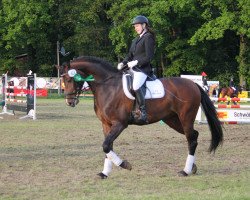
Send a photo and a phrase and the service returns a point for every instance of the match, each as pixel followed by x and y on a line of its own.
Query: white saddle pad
pixel 154 89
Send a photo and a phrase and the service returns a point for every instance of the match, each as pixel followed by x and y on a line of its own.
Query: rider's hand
pixel 132 63
pixel 120 66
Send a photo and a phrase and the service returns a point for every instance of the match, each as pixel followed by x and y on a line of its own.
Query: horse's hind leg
pixel 192 136
pixel 190 166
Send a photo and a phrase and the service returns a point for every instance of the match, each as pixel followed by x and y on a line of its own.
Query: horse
pixel 228 91
pixel 177 108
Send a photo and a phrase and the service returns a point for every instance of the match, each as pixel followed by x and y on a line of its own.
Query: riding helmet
pixel 140 19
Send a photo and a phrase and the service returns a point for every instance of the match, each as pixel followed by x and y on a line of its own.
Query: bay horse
pixel 229 92
pixel 178 108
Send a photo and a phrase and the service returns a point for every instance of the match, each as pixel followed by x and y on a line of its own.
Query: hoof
pixel 101 176
pixel 126 165
pixel 182 173
pixel 194 169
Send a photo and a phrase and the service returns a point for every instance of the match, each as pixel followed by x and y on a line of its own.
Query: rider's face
pixel 138 28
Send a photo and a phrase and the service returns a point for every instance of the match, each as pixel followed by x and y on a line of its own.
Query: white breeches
pixel 139 79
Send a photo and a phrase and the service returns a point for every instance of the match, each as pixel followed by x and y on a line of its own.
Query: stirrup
pixel 143 116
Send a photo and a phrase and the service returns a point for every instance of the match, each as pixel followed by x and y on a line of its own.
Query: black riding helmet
pixel 140 19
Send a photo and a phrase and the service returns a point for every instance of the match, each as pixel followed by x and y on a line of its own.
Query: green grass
pixel 58 156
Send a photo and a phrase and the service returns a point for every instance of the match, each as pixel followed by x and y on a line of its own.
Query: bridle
pixel 79 86
pixel 76 92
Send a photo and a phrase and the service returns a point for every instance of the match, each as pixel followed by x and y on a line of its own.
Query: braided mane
pixel 102 62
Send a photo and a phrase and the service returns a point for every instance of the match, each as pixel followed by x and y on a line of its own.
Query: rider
pixel 138 59
pixel 231 84
pixel 204 81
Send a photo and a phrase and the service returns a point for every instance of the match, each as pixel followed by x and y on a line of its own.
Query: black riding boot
pixel 141 102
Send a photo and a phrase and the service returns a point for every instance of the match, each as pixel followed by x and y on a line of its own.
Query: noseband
pixel 76 92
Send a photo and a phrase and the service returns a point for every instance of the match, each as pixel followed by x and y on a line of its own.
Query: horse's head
pixel 72 89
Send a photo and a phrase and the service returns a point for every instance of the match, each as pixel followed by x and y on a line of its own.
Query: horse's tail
pixel 213 121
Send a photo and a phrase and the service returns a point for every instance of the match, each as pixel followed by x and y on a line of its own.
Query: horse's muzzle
pixel 72 101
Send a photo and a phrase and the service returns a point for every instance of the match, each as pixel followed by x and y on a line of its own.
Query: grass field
pixel 58 156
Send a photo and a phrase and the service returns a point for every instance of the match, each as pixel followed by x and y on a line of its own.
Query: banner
pixel 196 78
pixel 39 92
pixel 43 84
pixel 234 115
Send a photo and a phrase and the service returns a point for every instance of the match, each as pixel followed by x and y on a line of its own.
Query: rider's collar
pixel 143 32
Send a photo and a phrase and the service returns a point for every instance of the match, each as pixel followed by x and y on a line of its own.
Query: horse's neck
pixel 99 73
pixel 105 83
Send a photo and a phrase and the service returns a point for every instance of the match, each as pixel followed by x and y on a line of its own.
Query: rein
pixel 78 79
pixel 105 80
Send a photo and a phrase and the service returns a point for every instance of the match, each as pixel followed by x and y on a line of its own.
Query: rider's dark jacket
pixel 231 83
pixel 142 49
pixel 204 80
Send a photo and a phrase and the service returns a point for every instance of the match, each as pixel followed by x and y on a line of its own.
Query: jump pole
pixel 31 98
pixel 231 106
pixel 5 99
pixel 30 101
pixel 229 99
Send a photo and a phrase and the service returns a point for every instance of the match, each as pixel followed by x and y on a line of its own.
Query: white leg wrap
pixel 107 168
pixel 189 164
pixel 115 158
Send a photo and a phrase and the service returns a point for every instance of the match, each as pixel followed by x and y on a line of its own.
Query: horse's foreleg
pixel 111 156
pixel 190 166
pixel 107 168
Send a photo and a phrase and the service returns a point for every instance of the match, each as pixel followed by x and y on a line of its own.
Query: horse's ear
pixel 62 68
pixel 65 66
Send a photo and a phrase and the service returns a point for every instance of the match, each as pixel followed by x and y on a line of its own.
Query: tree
pixel 34 27
pixel 191 36
pixel 92 29
pixel 173 22
pixel 221 17
pixel 25 26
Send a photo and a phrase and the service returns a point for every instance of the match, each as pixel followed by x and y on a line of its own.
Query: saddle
pixel 153 87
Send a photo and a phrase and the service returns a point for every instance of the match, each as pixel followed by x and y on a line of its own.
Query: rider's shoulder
pixel 148 34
